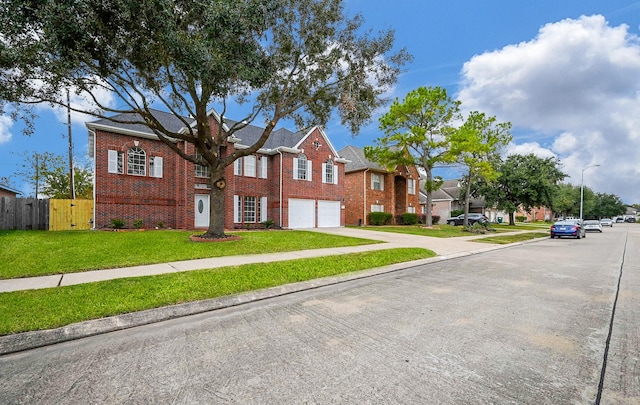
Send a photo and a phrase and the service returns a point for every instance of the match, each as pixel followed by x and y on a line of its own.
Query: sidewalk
pixel 444 247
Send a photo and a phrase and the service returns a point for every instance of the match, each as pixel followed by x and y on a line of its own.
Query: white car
pixel 592 226
pixel 606 222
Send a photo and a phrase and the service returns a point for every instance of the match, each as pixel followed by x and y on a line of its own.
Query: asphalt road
pixel 532 324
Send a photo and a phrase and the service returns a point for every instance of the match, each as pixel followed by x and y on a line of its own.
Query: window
pixel 116 162
pixel 155 166
pixel 136 161
pixel 329 172
pixel 300 167
pixel 250 166
pixel 411 210
pixel 411 185
pixel 249 209
pixel 263 167
pixel 377 208
pixel 237 167
pixel 376 182
pixel 202 170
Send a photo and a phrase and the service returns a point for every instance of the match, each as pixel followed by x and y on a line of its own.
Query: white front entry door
pixel 201 211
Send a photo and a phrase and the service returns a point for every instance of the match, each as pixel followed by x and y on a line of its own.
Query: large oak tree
pixel 291 59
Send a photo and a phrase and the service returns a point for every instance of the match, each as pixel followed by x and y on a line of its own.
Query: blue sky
pixel 566 74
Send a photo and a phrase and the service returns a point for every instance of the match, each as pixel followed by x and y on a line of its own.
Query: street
pixel 529 324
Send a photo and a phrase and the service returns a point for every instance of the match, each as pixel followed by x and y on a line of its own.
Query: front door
pixel 201 211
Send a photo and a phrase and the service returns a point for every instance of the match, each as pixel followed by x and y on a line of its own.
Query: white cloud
pixel 577 81
pixel 5 126
pixel 529 148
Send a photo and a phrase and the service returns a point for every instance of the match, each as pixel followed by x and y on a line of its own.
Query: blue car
pixel 569 227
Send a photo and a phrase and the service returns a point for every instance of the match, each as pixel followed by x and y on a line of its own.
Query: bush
pixel 520 218
pixel 455 213
pixel 138 223
pixel 268 223
pixel 435 219
pixel 117 223
pixel 380 218
pixel 409 218
pixel 478 228
pixel 422 219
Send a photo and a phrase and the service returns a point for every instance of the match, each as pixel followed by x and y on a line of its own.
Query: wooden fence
pixel 54 215
pixel 24 213
pixel 67 215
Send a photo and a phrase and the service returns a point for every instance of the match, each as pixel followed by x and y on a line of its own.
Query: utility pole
pixel 72 191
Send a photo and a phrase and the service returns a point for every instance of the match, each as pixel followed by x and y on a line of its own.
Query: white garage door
pixel 302 213
pixel 328 214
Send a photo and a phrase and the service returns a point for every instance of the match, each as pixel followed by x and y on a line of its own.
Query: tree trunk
pixel 428 187
pixel 216 209
pixel 512 219
pixel 467 197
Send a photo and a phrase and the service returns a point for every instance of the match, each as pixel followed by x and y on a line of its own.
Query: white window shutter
pixel 263 167
pixel 263 209
pixel 324 172
pixel 113 161
pixel 157 167
pixel 335 174
pixel 236 211
pixel 309 171
pixel 295 168
pixel 381 182
pixel 237 167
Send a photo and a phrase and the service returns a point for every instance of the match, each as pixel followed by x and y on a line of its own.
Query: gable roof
pixel 357 160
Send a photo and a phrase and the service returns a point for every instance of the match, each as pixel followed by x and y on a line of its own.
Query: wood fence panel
pixel 67 215
pixel 23 213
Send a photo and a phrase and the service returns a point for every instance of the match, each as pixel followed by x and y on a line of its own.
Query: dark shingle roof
pixel 132 122
pixel 357 160
pixel 280 137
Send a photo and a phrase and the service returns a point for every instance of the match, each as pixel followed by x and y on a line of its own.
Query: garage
pixel 302 213
pixel 328 214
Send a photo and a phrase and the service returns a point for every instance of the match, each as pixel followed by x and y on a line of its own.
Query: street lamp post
pixel 582 188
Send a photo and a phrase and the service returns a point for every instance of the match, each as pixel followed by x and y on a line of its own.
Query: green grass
pixel 38 253
pixel 55 307
pixel 506 239
pixel 522 226
pixel 438 231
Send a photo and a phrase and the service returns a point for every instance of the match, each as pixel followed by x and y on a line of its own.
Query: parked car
pixel 570 227
pixel 606 222
pixel 630 219
pixel 592 225
pixel 472 218
pixel 619 220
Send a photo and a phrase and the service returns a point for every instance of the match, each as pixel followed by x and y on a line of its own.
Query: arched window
pixel 136 161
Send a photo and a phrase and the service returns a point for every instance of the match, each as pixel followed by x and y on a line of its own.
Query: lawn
pixel 37 253
pixel 438 231
pixel 55 307
pixel 506 239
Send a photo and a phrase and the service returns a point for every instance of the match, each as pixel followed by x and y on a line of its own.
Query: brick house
pixel 294 180
pixel 370 187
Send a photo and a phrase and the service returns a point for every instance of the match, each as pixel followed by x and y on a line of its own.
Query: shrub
pixel 380 218
pixel 409 218
pixel 422 219
pixel 268 223
pixel 138 223
pixel 455 213
pixel 117 223
pixel 160 224
pixel 521 218
pixel 435 219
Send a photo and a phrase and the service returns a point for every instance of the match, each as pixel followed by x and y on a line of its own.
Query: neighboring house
pixel 294 180
pixel 536 214
pixel 370 187
pixel 6 191
pixel 448 198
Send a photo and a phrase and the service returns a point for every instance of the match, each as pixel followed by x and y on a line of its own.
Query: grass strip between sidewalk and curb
pixel 40 253
pixel 49 308
pixel 506 239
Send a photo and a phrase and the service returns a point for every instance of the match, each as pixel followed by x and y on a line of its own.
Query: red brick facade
pixel 170 200
pixel 395 198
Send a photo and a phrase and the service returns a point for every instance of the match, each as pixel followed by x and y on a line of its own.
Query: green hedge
pixel 380 218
